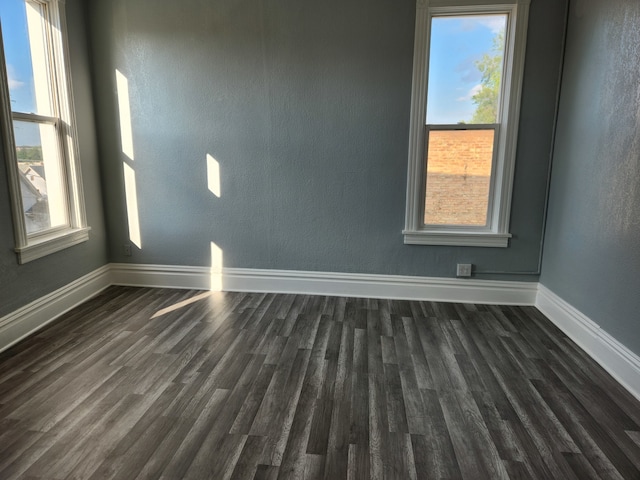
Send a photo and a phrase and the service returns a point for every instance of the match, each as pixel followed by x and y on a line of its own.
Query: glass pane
pixel 458 177
pixel 465 68
pixel 41 176
pixel 27 63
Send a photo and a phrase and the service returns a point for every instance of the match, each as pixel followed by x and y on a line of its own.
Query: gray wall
pixel 592 242
pixel 21 284
pixel 305 105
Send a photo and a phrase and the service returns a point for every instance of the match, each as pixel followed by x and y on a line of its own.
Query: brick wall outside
pixel 458 174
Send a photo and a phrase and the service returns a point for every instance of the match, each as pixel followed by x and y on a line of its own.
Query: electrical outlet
pixel 126 249
pixel 464 269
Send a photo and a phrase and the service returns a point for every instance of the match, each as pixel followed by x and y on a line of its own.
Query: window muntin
pixel 39 131
pixel 436 111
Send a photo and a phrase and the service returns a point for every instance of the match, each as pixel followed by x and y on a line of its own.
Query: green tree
pixel 490 66
pixel 29 154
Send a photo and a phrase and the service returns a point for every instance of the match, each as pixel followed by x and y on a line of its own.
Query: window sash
pixel 462 11
pixel 33 118
pixel 61 166
pixel 490 201
pixel 40 32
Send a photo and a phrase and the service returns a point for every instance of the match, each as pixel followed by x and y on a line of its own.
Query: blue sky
pixel 19 70
pixel 456 44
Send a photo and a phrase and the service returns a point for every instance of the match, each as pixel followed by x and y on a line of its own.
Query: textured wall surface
pixel 305 107
pixel 21 284
pixel 592 243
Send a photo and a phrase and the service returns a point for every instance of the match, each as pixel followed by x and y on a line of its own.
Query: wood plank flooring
pixel 170 384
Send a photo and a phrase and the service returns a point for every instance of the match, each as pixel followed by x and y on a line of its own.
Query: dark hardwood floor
pixel 168 384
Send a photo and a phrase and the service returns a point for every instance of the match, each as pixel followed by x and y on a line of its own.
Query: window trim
pixel 497 233
pixel 29 247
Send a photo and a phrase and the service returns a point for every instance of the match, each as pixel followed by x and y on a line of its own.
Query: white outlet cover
pixel 464 270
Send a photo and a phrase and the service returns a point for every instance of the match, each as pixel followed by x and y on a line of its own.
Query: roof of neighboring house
pixel 33 180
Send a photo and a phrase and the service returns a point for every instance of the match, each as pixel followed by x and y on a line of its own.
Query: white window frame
pixel 36 245
pixel 496 232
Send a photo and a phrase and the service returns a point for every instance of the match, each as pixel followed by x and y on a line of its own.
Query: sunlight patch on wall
pixel 126 132
pixel 131 194
pixel 213 175
pixel 216 268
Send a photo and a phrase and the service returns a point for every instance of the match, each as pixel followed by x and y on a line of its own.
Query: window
pixel 39 131
pixel 467 80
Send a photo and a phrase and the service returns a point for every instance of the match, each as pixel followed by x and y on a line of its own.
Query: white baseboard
pixel 32 317
pixel 380 286
pixel 161 276
pixel 325 283
pixel 621 363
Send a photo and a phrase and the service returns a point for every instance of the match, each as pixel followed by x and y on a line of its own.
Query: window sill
pixel 48 244
pixel 459 239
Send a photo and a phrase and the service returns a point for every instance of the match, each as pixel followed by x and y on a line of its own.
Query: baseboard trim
pixel 25 321
pixel 327 283
pixel 380 286
pixel 620 362
pixel 161 276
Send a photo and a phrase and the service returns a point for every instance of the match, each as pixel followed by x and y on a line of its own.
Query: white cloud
pixel 495 23
pixel 476 89
pixel 13 81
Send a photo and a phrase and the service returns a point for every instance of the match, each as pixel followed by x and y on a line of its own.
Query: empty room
pixel 252 239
